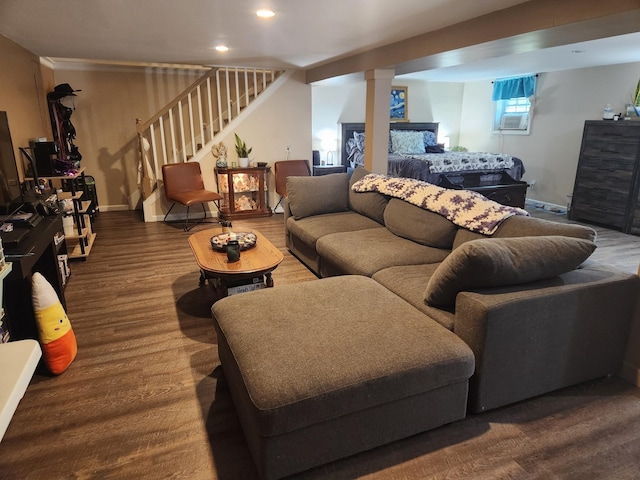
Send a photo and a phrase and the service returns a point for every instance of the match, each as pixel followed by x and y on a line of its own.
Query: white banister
pixel 175 141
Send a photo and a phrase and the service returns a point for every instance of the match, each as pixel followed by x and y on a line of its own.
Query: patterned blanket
pixel 465 161
pixel 464 208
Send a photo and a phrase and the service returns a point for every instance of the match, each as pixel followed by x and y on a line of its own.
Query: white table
pixel 18 361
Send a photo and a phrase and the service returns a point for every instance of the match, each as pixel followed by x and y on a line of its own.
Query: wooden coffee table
pixel 252 271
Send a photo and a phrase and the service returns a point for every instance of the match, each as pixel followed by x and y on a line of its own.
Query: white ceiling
pixel 302 34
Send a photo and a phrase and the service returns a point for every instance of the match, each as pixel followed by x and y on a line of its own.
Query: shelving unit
pixel 244 192
pixel 80 242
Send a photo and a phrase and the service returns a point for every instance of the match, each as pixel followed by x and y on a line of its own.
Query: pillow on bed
pixel 498 262
pixel 407 142
pixel 430 139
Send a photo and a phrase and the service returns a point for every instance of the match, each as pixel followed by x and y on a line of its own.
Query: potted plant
pixel 243 152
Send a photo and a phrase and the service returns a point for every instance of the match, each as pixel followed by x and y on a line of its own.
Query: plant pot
pixel 243 162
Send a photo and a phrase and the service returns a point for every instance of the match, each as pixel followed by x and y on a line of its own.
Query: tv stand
pixel 37 252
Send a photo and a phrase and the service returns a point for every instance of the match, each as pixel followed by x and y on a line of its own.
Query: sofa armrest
pixel 535 338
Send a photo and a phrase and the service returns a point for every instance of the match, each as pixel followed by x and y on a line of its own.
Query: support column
pixel 376 141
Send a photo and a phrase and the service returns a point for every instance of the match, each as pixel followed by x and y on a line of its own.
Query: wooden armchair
pixel 289 168
pixel 183 184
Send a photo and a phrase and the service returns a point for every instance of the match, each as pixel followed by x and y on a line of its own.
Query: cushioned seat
pixel 364 252
pixel 410 282
pixel 183 184
pixel 317 372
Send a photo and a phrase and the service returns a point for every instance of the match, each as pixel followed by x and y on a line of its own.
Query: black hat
pixel 62 90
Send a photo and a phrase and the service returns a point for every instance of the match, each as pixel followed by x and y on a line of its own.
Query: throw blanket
pixel 464 208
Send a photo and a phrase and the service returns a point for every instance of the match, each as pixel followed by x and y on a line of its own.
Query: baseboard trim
pixel 114 208
pixel 630 373
pixel 546 206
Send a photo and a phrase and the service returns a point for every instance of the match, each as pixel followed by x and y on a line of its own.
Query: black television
pixel 10 188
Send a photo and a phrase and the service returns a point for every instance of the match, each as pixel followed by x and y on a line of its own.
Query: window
pixel 512 115
pixel 512 104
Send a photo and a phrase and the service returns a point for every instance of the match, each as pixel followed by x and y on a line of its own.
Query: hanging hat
pixel 62 90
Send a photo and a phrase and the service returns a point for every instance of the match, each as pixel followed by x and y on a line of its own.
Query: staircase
pixel 187 127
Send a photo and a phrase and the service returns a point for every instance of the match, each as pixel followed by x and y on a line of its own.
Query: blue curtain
pixel 514 88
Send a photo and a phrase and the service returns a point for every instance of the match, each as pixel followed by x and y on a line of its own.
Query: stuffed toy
pixel 58 341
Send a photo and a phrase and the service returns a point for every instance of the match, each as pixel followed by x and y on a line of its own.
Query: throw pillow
pixel 59 347
pixel 407 142
pixel 310 196
pixel 497 262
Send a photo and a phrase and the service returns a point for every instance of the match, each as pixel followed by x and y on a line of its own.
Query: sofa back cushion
pixel 521 226
pixel 422 226
pixel 310 196
pixel 497 262
pixel 369 204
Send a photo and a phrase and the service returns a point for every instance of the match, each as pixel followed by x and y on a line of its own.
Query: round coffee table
pixel 251 272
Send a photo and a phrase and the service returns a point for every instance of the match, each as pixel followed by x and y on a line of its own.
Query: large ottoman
pixel 324 369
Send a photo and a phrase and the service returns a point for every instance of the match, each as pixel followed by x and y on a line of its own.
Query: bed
pixel 414 153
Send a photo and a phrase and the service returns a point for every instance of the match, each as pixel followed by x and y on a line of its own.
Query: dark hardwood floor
pixel 146 398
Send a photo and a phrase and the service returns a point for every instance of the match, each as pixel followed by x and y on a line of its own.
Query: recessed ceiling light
pixel 222 48
pixel 264 13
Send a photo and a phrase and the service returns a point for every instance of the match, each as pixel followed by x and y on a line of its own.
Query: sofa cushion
pixel 520 226
pixel 420 225
pixel 504 261
pixel 371 204
pixel 317 195
pixel 407 281
pixel 310 229
pixel 364 252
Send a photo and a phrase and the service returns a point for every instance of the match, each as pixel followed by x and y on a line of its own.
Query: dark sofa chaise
pixel 519 313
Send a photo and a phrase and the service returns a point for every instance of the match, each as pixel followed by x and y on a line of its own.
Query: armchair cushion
pixel 317 195
pixel 498 262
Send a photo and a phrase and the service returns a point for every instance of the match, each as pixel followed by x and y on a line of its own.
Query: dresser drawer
pixel 612 132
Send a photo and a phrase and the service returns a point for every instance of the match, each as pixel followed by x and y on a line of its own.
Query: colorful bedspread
pixel 464 208
pixel 465 161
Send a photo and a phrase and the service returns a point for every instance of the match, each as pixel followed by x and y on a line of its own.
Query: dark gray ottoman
pixel 324 369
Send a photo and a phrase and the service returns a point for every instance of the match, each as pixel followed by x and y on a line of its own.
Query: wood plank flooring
pixel 146 398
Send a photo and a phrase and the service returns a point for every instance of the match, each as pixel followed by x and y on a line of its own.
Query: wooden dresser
pixel 608 177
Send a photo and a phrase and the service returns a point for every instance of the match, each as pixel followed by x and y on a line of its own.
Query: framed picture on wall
pixel 398 112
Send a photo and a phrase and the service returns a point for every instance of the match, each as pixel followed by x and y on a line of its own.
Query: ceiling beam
pixel 522 28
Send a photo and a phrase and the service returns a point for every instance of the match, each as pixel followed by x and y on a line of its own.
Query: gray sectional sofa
pixel 420 322
pixel 531 329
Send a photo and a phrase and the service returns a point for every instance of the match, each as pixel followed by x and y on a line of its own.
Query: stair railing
pixel 191 121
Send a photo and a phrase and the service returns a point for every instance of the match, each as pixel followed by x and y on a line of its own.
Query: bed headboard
pixel 349 128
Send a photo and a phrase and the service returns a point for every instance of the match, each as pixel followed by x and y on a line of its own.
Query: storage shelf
pixel 75 251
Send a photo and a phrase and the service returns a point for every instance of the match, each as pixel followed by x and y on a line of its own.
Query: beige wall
pixel 22 94
pixel 111 100
pixel 464 111
pixel 428 102
pixel 564 100
pixel 105 121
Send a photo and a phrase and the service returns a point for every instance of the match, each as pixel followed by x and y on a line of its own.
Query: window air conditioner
pixel 517 121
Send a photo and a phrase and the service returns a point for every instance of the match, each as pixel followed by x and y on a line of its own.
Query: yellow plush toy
pixel 58 341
